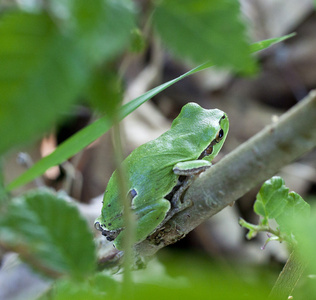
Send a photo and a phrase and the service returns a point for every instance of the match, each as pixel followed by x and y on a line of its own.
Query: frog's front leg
pixel 192 167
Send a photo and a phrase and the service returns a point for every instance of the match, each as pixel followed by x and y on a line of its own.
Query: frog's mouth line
pixel 209 149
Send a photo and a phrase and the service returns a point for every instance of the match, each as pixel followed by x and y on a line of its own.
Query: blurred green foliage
pixel 55 52
pixel 182 276
pixel 47 58
pixel 205 30
pixel 48 230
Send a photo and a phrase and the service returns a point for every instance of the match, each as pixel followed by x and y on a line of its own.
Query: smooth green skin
pixel 151 170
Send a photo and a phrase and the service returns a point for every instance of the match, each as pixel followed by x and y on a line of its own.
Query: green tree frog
pixel 154 169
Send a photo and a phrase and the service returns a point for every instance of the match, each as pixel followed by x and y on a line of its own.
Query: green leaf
pixel 40 76
pixel 44 67
pixel 92 132
pixel 295 207
pixel 271 198
pixel 275 202
pixel 269 42
pixel 95 289
pixel 304 231
pixel 49 234
pixel 105 92
pixel 205 30
pixel 101 29
pixel 115 32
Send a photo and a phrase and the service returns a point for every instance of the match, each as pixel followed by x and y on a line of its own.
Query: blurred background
pixel 287 72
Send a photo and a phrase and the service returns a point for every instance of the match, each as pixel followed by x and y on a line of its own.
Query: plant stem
pixel 288 278
pixel 3 193
pixel 128 217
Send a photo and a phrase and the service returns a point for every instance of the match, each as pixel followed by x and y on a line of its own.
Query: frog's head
pixel 207 128
pixel 217 143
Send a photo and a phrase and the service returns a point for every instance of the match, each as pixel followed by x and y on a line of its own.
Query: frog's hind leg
pixel 150 217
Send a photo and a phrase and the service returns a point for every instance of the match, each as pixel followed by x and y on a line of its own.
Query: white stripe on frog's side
pixel 192 171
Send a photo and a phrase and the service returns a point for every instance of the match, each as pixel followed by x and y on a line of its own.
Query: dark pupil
pixel 220 134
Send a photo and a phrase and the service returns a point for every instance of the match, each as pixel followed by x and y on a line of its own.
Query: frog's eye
pixel 219 136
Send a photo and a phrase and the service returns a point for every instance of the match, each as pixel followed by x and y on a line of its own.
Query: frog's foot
pixel 176 204
pixel 189 169
pixel 109 234
pixel 177 209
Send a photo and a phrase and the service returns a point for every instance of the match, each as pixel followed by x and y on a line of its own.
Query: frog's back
pixel 150 166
